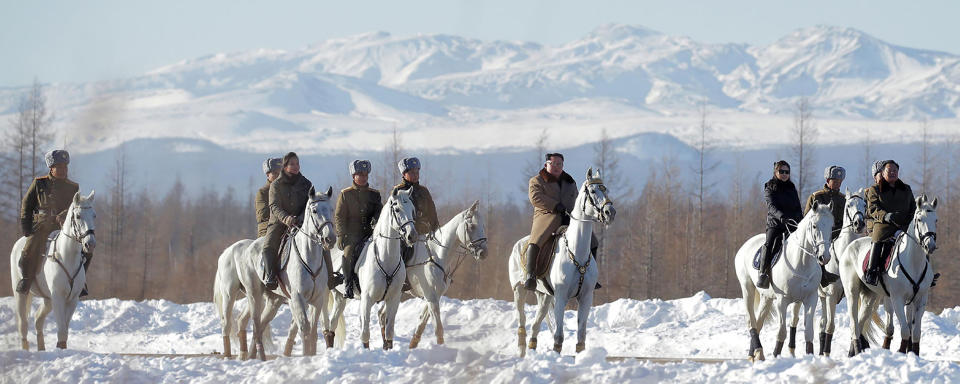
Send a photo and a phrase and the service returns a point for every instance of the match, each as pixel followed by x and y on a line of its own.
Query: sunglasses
pixel 784 171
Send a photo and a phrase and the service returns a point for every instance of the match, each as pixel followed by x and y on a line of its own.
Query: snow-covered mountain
pixel 447 92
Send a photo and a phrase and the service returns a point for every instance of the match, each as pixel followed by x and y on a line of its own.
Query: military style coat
pixel 828 196
pixel 47 199
pixel 425 219
pixel 288 197
pixel 358 207
pixel 545 192
pixel 261 203
pixel 884 198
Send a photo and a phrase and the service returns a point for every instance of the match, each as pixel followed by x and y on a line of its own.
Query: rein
pixel 71 278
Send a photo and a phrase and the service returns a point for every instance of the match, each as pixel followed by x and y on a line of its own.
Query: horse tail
pixel 875 329
pixel 551 319
pixel 766 310
pixel 340 332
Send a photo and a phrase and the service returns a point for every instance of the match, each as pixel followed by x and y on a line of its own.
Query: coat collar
pixel 564 177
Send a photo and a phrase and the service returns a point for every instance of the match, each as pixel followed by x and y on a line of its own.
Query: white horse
pixel 854 210
pixel 302 277
pixel 905 288
pixel 794 278
pixel 573 273
pixel 380 268
pixel 431 270
pixel 61 278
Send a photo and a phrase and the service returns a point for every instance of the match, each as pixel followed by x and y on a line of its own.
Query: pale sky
pixel 78 41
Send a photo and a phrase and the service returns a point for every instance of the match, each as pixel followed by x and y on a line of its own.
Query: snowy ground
pixel 481 347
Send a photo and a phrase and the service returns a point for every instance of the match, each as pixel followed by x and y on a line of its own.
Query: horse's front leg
pixel 906 332
pixel 23 308
pixel 828 321
pixel 583 313
pixel 781 304
pixel 543 305
pixel 434 304
pixel 418 333
pixel 242 321
pixel 809 309
pixel 560 302
pixel 366 305
pixel 60 314
pixel 792 344
pixel 916 321
pixel 39 319
pixel 256 311
pixel 390 314
pixel 853 307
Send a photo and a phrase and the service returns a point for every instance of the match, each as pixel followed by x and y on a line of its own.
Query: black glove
pixel 559 208
pixel 889 217
pixel 27 227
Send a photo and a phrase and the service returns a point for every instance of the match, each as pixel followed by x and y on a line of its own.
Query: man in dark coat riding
pixel 891 204
pixel 42 211
pixel 288 199
pixel 358 208
pixel 783 214
pixel 271 167
pixel 552 193
pixel 830 194
pixel 425 218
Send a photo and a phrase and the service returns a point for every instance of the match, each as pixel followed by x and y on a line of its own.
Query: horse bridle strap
pixel 582 269
pixel 387 276
pixel 77 236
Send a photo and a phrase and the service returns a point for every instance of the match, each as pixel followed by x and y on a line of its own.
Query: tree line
pixel 672 238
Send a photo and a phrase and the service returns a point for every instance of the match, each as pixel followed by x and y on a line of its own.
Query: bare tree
pixel 536 162
pixel 804 135
pixel 867 161
pixel 705 165
pixel 392 153
pixel 30 133
pixel 926 178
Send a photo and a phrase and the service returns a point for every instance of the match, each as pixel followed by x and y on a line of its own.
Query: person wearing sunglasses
pixel 783 213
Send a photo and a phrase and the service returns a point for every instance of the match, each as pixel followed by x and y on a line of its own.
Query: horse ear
pixel 934 204
pixel 329 192
pixel 597 174
pixel 90 196
pixel 475 206
pixel 921 199
pixel 76 197
pixel 590 173
pixel 312 192
pixel 816 204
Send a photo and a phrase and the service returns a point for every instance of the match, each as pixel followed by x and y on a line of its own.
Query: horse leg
pixel 298 309
pixel 23 307
pixel 382 320
pixel 60 314
pixel 792 342
pixel 542 308
pixel 782 305
pixel 905 330
pixel 418 333
pixel 749 294
pixel 242 322
pixel 829 320
pixel 519 297
pixel 560 303
pixel 391 307
pixel 809 309
pixel 365 305
pixel 583 312
pixel 915 323
pixel 256 312
pixel 434 304
pixel 853 307
pixel 39 319
pixel 226 323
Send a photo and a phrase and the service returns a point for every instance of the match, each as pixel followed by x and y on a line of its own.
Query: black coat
pixel 783 202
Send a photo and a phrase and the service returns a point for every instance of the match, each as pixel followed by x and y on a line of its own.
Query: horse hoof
pixel 533 343
pixel 758 355
pixel 328 338
pixel 366 345
pixel 793 352
pixel 414 343
pixel 440 340
pixel 62 344
pixel 387 345
pixel 557 347
pixel 581 347
pixel 25 345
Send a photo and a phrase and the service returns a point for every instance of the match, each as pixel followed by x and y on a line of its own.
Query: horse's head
pixel 80 222
pixel 320 224
pixel 926 223
pixel 401 215
pixel 820 229
pixel 472 232
pixel 855 210
pixel 597 206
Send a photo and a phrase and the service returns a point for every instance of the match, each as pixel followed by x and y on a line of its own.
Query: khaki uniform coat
pixel 545 191
pixel 425 219
pixel 357 208
pixel 261 203
pixel 43 211
pixel 827 196
pixel 883 198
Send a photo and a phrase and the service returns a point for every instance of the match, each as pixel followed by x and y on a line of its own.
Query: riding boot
pixel 873 265
pixel 26 268
pixel 827 278
pixel 333 279
pixel 532 251
pixel 87 257
pixel 348 274
pixel 593 251
pixel 763 281
pixel 270 271
pixel 936 276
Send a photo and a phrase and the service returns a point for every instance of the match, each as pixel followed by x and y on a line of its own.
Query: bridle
pixel 75 232
pixel 593 202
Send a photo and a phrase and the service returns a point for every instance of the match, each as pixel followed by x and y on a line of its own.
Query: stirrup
pixel 531 283
pixel 83 292
pixel 335 280
pixel 763 281
pixel 597 286
pixel 270 283
pixel 871 277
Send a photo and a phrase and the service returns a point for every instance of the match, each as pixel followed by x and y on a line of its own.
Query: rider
pixel 43 211
pixel 425 218
pixel 783 214
pixel 288 198
pixel 271 167
pixel 891 204
pixel 358 208
pixel 830 194
pixel 553 194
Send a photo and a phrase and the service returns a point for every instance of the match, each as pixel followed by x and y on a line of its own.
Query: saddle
pixel 777 252
pixel 545 256
pixel 886 250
